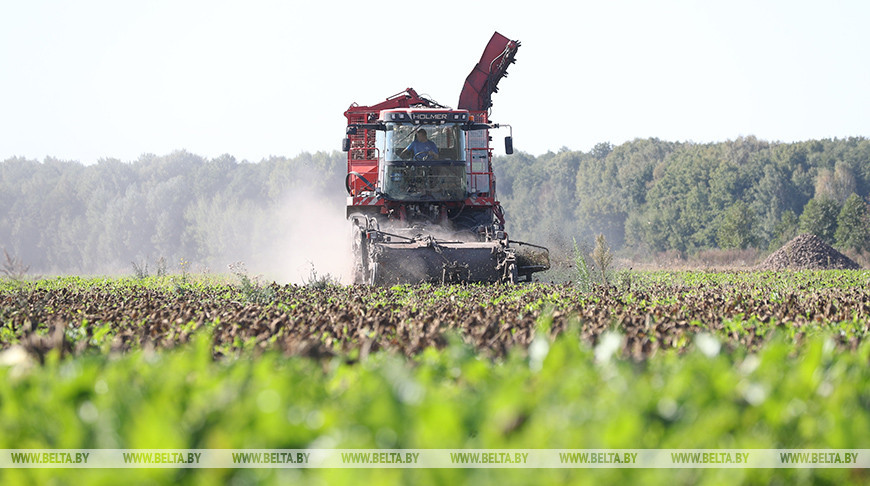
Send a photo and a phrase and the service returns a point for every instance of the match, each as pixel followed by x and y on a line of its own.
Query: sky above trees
pixel 96 78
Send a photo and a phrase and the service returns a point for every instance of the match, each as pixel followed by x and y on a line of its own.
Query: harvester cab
pixel 423 161
pixel 421 190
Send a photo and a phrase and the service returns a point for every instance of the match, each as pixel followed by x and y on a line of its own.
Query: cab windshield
pixel 405 142
pixel 424 163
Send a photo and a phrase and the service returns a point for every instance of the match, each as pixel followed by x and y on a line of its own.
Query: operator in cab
pixel 422 148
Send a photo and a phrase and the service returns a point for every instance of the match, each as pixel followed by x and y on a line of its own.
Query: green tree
pixel 820 218
pixel 853 224
pixel 837 184
pixel 785 229
pixel 738 227
pixel 602 256
pixel 771 197
pixel 602 150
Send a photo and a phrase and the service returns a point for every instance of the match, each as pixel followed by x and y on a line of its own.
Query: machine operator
pixel 422 148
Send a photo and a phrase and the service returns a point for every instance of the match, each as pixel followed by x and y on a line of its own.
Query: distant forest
pixel 649 196
pixel 646 196
pixel 64 217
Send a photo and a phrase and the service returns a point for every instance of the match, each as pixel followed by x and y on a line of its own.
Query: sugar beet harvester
pixel 421 191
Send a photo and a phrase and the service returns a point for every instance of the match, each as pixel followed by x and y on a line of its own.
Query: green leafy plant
pixel 317 280
pixel 583 277
pixel 140 271
pixel 251 289
pixel 13 268
pixel 602 256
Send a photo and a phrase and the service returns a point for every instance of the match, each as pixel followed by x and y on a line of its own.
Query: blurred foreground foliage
pixel 778 397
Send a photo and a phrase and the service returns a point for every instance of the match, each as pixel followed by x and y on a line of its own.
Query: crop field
pixel 689 360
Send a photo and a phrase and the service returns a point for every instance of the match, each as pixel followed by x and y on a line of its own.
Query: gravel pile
pixel 808 252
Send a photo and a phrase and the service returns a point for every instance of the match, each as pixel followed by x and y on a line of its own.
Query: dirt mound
pixel 808 252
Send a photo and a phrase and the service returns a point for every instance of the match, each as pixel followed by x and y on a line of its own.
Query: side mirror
pixel 345 145
pixel 508 145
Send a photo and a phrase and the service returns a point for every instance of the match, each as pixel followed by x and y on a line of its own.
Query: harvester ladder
pixel 480 175
pixel 363 155
pixel 479 159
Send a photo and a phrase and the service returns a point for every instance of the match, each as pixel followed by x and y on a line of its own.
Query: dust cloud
pixel 303 236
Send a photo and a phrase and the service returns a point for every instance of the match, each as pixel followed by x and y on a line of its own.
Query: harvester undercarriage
pixel 413 254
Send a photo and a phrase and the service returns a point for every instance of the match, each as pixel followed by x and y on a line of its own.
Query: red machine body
pixel 364 156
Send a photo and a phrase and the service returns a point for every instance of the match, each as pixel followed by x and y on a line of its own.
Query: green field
pixel 686 360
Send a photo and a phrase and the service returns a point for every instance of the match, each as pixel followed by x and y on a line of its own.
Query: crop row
pixel 652 311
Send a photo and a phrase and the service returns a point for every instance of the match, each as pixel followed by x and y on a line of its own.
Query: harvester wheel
pixel 373 273
pixel 361 261
pixel 360 255
pixel 513 274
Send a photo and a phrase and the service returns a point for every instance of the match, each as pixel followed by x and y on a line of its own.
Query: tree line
pixel 649 195
pixel 66 217
pixel 645 196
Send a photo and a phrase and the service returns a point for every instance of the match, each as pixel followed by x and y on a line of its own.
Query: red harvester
pixel 421 191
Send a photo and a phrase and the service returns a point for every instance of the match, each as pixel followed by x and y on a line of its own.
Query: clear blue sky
pixel 90 79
